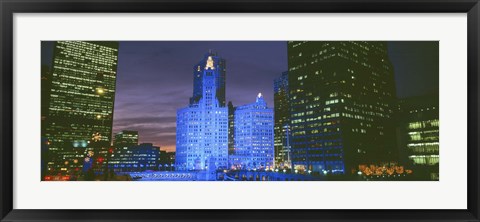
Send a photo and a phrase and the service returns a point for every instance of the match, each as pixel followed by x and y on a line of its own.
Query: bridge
pixel 172 176
pixel 266 176
pixel 221 176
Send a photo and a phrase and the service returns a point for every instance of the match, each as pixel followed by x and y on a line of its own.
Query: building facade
pixel 231 128
pixel 282 121
pixel 46 83
pixel 342 102
pixel 79 104
pixel 419 135
pixel 254 148
pixel 166 161
pixel 135 158
pixel 202 127
pixel 125 138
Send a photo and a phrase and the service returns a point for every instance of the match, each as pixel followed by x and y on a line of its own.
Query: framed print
pixel 264 110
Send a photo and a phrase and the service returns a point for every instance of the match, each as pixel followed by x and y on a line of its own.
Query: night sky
pixel 155 78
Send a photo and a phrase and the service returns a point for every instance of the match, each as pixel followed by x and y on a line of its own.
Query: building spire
pixel 209 64
pixel 260 98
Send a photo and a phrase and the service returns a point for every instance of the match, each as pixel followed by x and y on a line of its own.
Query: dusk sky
pixel 156 78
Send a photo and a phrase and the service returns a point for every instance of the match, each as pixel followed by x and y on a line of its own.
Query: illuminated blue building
pixel 202 127
pixel 220 71
pixel 253 134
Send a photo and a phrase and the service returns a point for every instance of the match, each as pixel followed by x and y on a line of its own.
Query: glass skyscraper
pixel 419 135
pixel 282 121
pixel 202 127
pixel 79 103
pixel 253 136
pixel 342 100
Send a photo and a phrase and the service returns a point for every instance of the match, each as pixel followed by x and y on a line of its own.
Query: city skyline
pixel 146 101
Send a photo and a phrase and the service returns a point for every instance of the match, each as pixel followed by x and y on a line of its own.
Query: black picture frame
pixel 9 7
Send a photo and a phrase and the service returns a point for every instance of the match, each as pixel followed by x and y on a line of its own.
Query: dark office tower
pixel 214 62
pixel 166 161
pixel 419 135
pixel 81 100
pixel 342 100
pixel 46 83
pixel 126 138
pixel 231 128
pixel 282 120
